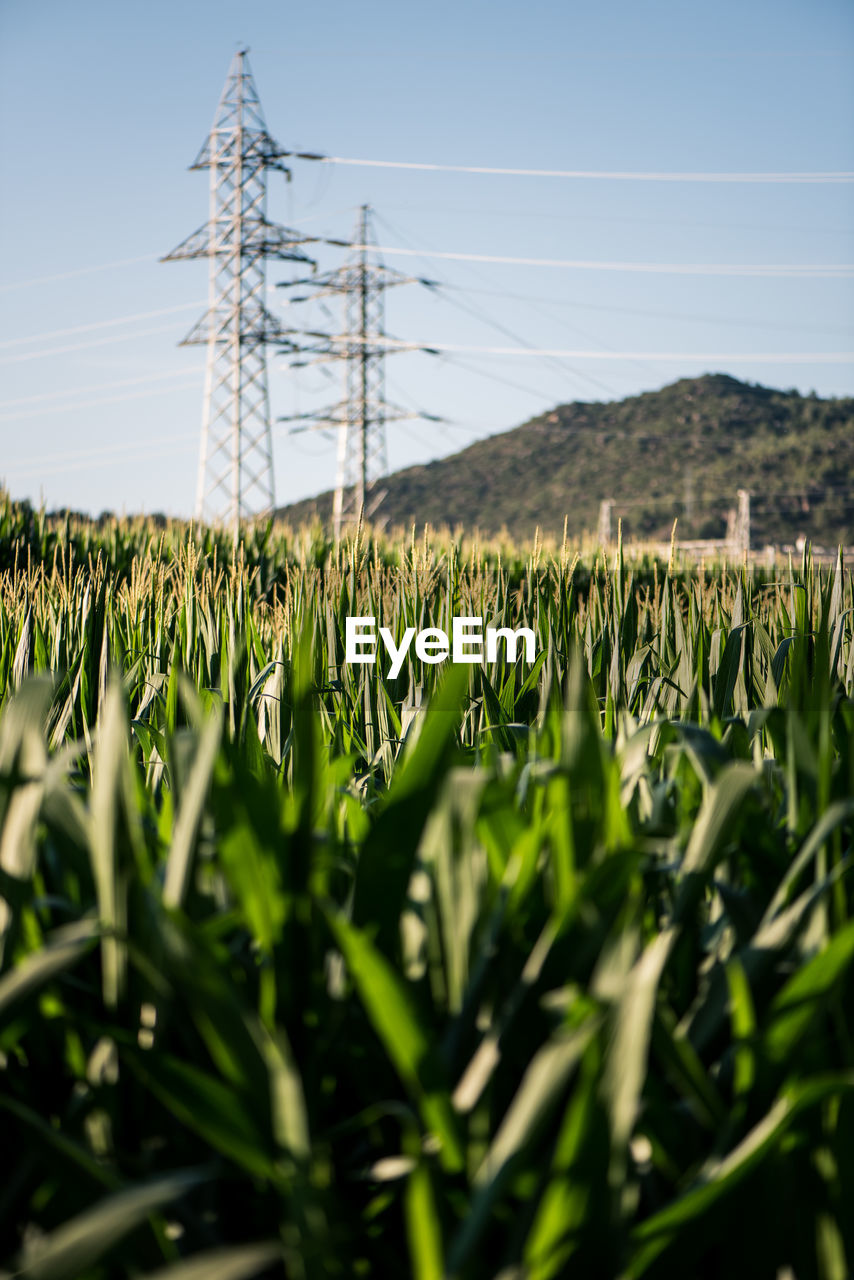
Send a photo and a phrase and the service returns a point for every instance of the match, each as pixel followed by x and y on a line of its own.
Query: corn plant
pixel 500 970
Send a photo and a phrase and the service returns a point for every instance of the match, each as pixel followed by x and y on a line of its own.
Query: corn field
pixel 487 971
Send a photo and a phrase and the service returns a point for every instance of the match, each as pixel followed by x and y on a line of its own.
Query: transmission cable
pixel 820 176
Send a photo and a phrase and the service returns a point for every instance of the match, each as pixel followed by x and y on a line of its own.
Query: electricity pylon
pixel 606 512
pixel 362 456
pixel 738 526
pixel 362 416
pixel 742 524
pixel 236 457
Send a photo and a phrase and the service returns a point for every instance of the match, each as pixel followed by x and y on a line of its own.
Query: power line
pixel 509 333
pixel 444 285
pixel 493 377
pixel 591 337
pixel 796 271
pixel 105 324
pixel 85 346
pixel 98 386
pixel 106 455
pixel 116 452
pixel 94 404
pixel 99 324
pixel 652 312
pixel 78 271
pixel 486 211
pixel 99 451
pixel 711 496
pixel 759 357
pixel 122 262
pixel 143 454
pixel 584 333
pixel 637 357
pixel 821 177
pixel 540 56
pixel 489 320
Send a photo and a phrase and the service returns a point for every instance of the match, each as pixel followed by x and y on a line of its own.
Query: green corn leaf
pixel 395 1019
pixel 240 1263
pixel 67 1252
pixel 802 1001
pixel 720 1177
pixel 189 816
pixel 60 950
pixel 204 1104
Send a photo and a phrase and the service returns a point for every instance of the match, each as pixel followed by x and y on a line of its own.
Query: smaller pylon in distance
pixel 362 416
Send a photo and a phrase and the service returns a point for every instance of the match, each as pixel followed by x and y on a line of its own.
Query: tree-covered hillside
pixel 680 452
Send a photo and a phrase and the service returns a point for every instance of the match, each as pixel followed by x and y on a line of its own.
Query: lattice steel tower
pixel 236 457
pixel 362 457
pixel 362 416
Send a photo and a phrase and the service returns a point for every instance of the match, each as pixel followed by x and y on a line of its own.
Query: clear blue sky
pixel 104 105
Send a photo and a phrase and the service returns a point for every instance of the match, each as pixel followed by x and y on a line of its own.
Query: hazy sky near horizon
pixel 103 106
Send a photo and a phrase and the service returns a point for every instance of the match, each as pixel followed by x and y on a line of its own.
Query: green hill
pixel 681 451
